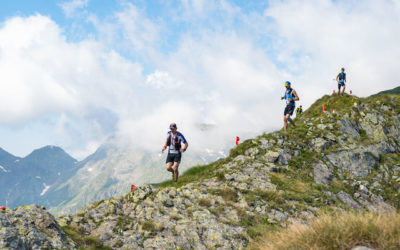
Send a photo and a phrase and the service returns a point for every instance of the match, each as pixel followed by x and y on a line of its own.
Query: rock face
pixel 31 227
pixel 349 160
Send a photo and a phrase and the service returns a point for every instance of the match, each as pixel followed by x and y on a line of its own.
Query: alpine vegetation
pixel 331 174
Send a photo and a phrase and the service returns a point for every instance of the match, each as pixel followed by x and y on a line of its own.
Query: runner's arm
pixel 296 96
pixel 165 146
pixel 185 147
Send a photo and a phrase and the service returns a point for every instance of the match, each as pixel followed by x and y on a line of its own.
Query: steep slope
pixel 111 171
pixel 345 160
pixel 28 179
pixel 7 161
pixel 395 91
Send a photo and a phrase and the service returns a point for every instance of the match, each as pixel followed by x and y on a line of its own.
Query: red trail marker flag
pixel 237 140
pixel 323 108
pixel 133 187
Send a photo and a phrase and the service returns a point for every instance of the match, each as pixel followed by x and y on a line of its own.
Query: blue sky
pixel 75 73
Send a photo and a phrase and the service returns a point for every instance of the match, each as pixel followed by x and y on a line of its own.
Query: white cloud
pixel 70 7
pixel 225 72
pixel 321 37
pixel 42 75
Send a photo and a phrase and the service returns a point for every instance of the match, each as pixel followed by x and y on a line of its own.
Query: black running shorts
pixel 289 109
pixel 174 157
pixel 341 84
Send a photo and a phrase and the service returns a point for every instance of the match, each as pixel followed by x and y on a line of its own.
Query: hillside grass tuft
pixel 338 231
pixel 195 174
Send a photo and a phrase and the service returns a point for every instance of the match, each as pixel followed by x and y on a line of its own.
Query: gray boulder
pixel 31 227
pixel 322 174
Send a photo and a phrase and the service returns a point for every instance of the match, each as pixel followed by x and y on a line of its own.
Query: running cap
pixel 172 126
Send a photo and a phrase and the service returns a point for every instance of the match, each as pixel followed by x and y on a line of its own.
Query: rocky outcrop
pixel 31 227
pixel 348 160
pixel 277 178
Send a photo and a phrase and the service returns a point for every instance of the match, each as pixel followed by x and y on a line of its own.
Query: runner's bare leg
pixel 176 172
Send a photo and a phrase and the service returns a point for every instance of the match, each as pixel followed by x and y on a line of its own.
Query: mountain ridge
pixel 347 160
pixel 28 179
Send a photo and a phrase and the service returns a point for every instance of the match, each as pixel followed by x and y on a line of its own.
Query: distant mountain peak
pixel 49 149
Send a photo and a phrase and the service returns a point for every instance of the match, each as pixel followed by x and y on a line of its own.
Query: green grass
pixel 148 226
pixel 342 104
pixel 228 194
pixel 241 148
pixel 195 174
pixel 204 202
pixel 83 241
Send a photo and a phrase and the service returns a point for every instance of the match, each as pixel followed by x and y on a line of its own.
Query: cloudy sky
pixel 74 73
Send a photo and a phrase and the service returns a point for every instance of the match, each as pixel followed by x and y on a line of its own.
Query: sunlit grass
pixel 338 231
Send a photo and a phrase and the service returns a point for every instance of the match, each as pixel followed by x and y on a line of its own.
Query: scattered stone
pixel 362 248
pixel 346 198
pixel 271 156
pixel 322 174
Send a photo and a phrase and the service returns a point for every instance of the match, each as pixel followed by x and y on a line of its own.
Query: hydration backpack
pixel 288 94
pixel 177 144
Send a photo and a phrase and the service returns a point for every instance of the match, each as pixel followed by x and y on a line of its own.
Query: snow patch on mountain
pixel 5 170
pixel 46 188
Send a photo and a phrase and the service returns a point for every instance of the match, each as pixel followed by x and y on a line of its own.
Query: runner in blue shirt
pixel 174 140
pixel 290 97
pixel 341 80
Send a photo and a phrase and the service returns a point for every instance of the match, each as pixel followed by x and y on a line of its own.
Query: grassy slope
pixel 395 91
pixel 299 188
pixel 298 134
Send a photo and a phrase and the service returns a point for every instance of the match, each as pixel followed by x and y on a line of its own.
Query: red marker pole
pixel 333 91
pixel 351 92
pixel 323 108
pixel 133 187
pixel 237 140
